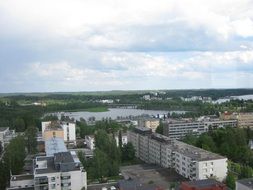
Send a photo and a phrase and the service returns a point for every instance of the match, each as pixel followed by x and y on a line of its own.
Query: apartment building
pixel 58 170
pixel 243 119
pixel 90 140
pixel 189 161
pixel 151 123
pixel 177 129
pixel 61 129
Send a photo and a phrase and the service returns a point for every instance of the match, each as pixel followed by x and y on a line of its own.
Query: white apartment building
pixel 58 170
pixel 189 161
pixel 123 139
pixel 69 129
pixel 90 141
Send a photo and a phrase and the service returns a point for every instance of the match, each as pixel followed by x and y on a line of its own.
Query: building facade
pixel 189 161
pixel 61 129
pixel 179 128
pixel 151 123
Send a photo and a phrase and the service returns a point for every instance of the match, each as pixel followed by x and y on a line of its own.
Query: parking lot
pixel 146 173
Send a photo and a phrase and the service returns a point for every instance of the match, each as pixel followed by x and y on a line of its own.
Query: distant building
pixel 177 129
pixel 90 140
pixel 61 129
pixel 244 184
pixel 206 184
pixel 123 139
pixel 244 119
pixel 147 97
pixel 107 101
pixel 6 135
pixel 151 123
pixel 189 161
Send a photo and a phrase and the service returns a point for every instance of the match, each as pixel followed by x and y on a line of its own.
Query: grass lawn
pixel 97 109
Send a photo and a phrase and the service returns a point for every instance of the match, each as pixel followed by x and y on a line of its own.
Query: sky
pixel 97 45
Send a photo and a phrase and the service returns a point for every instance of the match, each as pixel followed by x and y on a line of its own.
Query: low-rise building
pixel 244 184
pixel 6 135
pixel 151 123
pixel 90 140
pixel 189 161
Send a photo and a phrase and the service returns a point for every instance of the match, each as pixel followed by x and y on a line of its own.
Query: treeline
pixel 108 125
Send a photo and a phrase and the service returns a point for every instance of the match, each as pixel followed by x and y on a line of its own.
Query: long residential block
pixel 187 160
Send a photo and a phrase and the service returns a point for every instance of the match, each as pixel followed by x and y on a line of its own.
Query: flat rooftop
pixel 246 182
pixel 54 145
pixel 3 129
pixel 143 130
pixel 195 153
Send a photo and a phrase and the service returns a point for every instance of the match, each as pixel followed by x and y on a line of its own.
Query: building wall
pixel 245 120
pixel 152 123
pixel 90 142
pixel 69 131
pixel 44 124
pixel 48 134
pixel 179 130
pixel 212 168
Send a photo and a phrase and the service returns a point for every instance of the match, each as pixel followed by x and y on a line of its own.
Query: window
pixel 54 134
pixel 53 179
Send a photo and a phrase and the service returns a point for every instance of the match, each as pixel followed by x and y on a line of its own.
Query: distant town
pixel 127 140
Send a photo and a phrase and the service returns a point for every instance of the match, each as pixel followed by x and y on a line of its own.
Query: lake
pixel 115 112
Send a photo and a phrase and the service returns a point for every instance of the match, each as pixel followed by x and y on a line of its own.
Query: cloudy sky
pixel 81 45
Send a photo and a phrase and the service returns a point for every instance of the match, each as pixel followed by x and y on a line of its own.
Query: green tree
pixel 100 164
pixel 230 181
pixel 246 172
pixel 19 124
pixel 160 127
pixel 4 175
pixel 128 152
pixel 31 141
pixel 14 155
